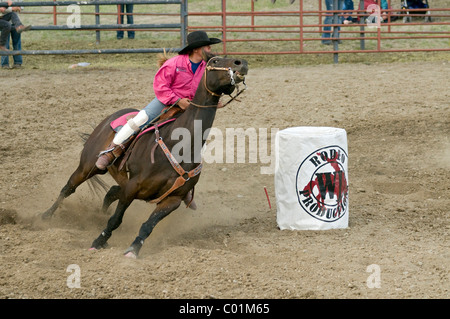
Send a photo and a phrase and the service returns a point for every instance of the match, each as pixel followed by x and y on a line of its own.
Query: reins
pixel 233 82
pixel 154 120
pixel 183 175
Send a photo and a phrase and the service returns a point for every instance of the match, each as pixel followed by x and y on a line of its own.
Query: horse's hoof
pixel 130 255
pixel 98 247
pixel 46 215
pixel 95 247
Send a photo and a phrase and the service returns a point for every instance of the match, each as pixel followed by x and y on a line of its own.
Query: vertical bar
pixel 320 16
pixel 335 31
pixel 379 33
pixel 120 15
pixel 389 16
pixel 184 22
pixel 224 26
pixel 362 43
pixel 97 22
pixel 301 25
pixel 253 15
pixel 55 22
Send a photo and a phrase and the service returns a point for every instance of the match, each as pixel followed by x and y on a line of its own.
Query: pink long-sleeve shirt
pixel 175 79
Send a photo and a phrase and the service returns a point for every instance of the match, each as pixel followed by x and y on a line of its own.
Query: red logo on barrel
pixel 321 184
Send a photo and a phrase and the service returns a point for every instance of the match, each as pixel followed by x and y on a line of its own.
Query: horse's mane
pixel 162 58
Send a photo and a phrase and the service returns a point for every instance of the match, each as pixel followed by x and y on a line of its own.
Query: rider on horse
pixel 175 83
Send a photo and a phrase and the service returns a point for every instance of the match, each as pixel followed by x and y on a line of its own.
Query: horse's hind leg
pixel 78 177
pixel 163 209
pixel 110 197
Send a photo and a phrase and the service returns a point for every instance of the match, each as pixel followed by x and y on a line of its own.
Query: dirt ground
pixel 397 118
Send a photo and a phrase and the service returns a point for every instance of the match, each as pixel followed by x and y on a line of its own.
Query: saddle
pixel 168 115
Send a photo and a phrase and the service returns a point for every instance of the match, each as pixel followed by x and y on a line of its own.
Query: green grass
pixel 75 39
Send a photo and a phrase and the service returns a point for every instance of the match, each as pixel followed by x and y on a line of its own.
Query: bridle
pixel 232 82
pixel 212 68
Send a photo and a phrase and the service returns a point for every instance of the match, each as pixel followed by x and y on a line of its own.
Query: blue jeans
pixel 17 45
pixel 348 5
pixel 6 22
pixel 329 18
pixel 153 109
pixel 129 9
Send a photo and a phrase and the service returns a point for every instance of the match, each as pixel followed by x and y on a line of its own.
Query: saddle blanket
pixel 117 124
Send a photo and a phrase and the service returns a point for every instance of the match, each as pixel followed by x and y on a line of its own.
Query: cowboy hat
pixel 198 39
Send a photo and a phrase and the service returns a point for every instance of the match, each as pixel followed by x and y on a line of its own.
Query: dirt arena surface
pixel 397 118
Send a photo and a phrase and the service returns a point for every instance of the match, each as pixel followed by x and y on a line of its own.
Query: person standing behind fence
pixel 7 19
pixel 326 35
pixel 16 44
pixel 121 10
pixel 348 5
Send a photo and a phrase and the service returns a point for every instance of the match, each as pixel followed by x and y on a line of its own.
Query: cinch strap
pixel 180 181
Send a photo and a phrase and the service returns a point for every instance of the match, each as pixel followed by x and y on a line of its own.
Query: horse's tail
pixel 84 137
pixel 96 184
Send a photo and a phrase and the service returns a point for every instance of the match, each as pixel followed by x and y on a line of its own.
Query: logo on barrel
pixel 321 184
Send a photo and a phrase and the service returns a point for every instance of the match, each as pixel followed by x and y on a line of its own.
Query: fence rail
pixel 298 30
pixel 87 3
pixel 181 27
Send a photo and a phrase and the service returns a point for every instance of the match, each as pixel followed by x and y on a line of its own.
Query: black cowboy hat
pixel 198 39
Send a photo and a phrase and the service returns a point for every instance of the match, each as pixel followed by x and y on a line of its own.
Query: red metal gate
pixel 306 32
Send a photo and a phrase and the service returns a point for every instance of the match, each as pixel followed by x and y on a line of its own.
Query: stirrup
pixel 108 157
pixel 106 151
pixel 105 160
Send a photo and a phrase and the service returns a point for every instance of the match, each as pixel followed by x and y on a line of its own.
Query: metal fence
pixel 303 27
pixel 298 30
pixel 97 27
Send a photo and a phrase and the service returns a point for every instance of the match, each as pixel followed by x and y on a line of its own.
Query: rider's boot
pixel 106 157
pixel 121 141
pixel 113 151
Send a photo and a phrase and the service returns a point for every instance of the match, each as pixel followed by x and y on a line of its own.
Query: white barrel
pixel 311 178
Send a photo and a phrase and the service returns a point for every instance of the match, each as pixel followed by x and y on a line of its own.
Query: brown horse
pixel 153 175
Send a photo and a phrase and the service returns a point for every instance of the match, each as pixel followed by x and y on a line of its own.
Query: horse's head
pixel 222 74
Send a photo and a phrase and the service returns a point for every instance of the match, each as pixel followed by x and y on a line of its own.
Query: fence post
pixel 336 31
pixel 320 17
pixel 184 22
pixel 301 24
pixel 97 21
pixel 362 43
pixel 55 21
pixel 224 26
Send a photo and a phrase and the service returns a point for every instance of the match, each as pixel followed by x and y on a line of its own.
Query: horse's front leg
pixel 163 209
pixel 113 223
pixel 110 197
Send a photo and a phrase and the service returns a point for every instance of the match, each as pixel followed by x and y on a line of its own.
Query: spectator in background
pixel 121 9
pixel 326 35
pixel 7 19
pixel 348 5
pixel 16 44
